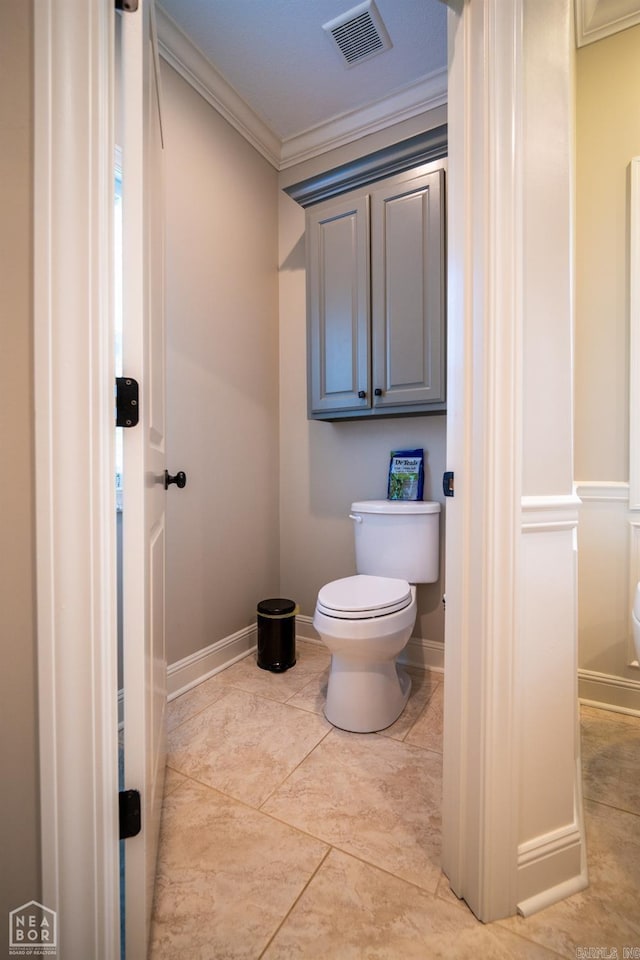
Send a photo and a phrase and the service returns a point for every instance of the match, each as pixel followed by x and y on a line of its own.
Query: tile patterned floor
pixel 285 839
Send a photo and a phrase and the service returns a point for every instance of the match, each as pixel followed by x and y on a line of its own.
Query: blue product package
pixel 406 475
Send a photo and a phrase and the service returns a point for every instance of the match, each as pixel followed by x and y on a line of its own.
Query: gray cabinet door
pixel 338 305
pixel 407 291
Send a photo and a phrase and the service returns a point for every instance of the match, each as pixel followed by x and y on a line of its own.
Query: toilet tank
pixel 397 538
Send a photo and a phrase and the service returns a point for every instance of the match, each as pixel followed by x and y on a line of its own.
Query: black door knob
pixel 361 394
pixel 180 479
pixel 378 392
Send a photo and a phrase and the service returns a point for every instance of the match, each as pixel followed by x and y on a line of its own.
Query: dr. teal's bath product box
pixel 406 475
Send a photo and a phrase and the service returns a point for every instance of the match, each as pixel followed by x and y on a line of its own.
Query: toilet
pixel 366 620
pixel 635 623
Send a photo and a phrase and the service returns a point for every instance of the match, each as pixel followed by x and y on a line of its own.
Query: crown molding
pixel 596 19
pixel 425 94
pixel 179 51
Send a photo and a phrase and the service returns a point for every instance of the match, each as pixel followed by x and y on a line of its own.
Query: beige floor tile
pixel 611 758
pixel 313 695
pixel 244 745
pixel 427 730
pixel 227 875
pixel 189 704
pixel 353 911
pixel 311 659
pixel 444 892
pixel 606 913
pixel 423 687
pixel 371 796
pixel 172 780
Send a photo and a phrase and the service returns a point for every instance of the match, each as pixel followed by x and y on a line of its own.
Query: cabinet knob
pixel 377 392
pixel 362 394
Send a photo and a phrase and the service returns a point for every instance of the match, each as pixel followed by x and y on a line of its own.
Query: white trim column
pixel 75 487
pixel 509 441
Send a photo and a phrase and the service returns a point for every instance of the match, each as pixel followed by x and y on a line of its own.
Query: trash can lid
pixel 276 606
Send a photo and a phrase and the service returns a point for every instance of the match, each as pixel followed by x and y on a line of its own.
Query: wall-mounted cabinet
pixel 376 299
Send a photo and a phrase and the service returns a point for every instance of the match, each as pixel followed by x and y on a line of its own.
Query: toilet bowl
pixel 635 623
pixel 366 620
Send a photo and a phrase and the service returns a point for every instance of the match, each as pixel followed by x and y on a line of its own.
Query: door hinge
pixel 127 413
pixel 129 6
pixel 130 813
pixel 447 483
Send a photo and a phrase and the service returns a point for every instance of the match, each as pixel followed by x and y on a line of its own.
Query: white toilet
pixel 366 620
pixel 635 623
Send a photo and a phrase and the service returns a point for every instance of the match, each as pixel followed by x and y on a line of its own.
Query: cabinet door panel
pixel 407 263
pixel 338 306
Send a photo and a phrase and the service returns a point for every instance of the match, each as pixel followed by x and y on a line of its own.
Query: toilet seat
pixel 363 596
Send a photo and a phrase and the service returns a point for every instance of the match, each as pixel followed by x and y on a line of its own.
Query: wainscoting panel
pixel 608 571
pixel 551 834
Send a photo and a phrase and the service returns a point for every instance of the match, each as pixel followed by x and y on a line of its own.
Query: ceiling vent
pixel 359 33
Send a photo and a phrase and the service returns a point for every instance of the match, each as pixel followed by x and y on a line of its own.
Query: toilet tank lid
pixel 395 506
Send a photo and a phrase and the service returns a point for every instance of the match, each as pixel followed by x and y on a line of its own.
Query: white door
pixel 140 135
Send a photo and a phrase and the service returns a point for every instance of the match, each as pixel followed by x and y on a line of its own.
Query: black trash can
pixel 277 634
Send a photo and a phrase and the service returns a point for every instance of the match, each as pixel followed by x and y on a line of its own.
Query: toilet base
pixel 367 699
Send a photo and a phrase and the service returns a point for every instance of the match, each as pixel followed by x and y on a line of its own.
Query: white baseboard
pixel 305 629
pixel 608 692
pixel 426 654
pixel 595 689
pixel 553 895
pixel 205 663
pixel 559 853
pixel 187 673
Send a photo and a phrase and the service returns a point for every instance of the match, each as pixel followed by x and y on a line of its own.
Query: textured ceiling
pixel 276 55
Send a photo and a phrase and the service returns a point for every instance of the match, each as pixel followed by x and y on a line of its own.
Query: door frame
pixel 75 500
pixel 75 471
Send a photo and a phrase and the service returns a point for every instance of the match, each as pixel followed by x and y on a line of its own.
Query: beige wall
pixel 222 366
pixel 265 509
pixel 607 137
pixel 325 466
pixel 19 811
